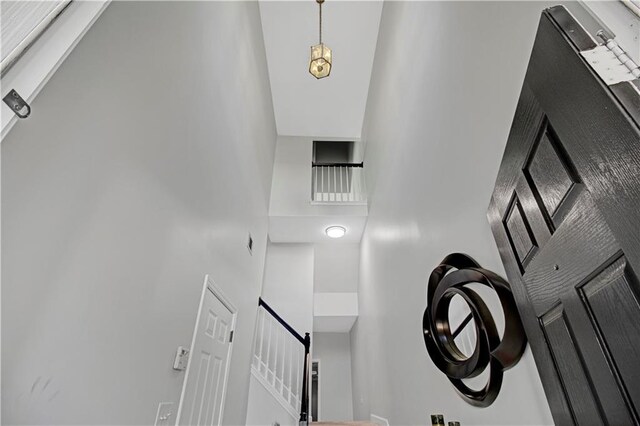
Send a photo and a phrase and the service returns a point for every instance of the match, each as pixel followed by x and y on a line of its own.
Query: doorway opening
pixel 315 390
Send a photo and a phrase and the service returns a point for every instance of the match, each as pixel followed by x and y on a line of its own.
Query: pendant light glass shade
pixel 320 65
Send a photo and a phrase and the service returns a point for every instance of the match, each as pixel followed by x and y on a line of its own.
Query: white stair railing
pixel 278 359
pixel 338 183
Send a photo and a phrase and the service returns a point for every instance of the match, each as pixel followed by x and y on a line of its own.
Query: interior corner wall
pixel 446 79
pixel 336 267
pixel 145 163
pixel 333 350
pixel 292 177
pixel 288 283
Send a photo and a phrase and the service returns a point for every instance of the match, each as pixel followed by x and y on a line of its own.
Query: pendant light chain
pixel 320 23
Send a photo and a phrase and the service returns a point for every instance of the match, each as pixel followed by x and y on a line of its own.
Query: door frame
pixel 209 285
pixel 316 360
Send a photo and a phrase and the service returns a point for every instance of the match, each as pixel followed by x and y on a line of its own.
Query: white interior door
pixel 203 393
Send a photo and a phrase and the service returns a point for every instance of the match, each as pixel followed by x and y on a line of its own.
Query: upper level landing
pixel 317 184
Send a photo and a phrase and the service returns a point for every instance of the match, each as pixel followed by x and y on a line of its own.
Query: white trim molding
pixel 276 395
pixel 31 71
pixel 33 35
pixel 379 420
pixel 633 5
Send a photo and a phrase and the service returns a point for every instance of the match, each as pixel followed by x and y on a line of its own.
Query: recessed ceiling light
pixel 335 231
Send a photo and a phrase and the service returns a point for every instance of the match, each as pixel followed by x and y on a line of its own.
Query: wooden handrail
pixel 337 164
pixel 280 320
pixel 304 405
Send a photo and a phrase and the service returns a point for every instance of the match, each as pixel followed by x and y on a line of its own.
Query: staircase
pixel 281 364
pixel 280 368
pixel 343 424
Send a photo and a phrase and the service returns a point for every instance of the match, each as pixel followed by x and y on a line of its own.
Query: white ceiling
pixel 311 229
pixel 334 106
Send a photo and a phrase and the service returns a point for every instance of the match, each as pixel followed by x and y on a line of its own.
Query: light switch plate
pixel 165 415
pixel 181 359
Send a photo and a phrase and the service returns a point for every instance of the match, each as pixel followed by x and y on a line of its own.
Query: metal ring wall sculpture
pixel 447 280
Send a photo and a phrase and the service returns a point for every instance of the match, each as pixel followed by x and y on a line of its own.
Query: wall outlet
pixel 165 415
pixel 181 359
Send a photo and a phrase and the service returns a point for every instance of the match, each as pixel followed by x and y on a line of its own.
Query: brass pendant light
pixel 320 63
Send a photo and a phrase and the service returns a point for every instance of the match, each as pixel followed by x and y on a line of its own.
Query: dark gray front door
pixel 565 213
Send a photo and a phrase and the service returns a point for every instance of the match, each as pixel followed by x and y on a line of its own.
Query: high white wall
pixel 291 191
pixel 288 283
pixel 288 289
pixel 336 268
pixel 334 352
pixel 446 80
pixel 145 163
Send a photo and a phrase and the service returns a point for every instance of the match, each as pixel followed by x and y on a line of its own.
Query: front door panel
pixel 565 213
